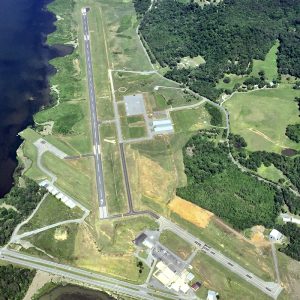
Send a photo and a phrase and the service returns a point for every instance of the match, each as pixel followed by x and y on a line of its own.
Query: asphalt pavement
pixel 93 109
pixel 270 288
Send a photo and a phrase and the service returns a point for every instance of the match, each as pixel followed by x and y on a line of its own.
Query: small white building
pixel 275 235
pixel 212 295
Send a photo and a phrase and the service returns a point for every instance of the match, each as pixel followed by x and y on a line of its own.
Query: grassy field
pixel 215 277
pixel 234 79
pixel 268 65
pixel 270 172
pixel 132 127
pixel 58 242
pixel 108 248
pixel 261 117
pixel 125 49
pixel 256 259
pixel 188 62
pixel 100 60
pixel 176 244
pixel 74 177
pixel 191 119
pixel 113 176
pixel 50 212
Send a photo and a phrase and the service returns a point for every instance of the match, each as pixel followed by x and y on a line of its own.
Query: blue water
pixel 24 69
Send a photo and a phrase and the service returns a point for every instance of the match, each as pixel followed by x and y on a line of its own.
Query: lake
pixel 72 292
pixel 24 70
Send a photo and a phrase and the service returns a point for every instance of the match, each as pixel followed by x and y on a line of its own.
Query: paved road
pixel 94 121
pixel 270 288
pixel 125 174
pixel 91 278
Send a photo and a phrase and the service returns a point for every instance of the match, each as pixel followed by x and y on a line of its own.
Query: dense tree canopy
pixel 292 232
pixel 24 200
pixel 14 282
pixel 216 184
pixel 293 132
pixel 229 36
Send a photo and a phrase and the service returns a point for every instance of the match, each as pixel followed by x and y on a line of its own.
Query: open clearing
pixel 112 170
pixel 270 172
pixel 191 119
pixel 176 244
pixel 261 117
pixel 191 212
pixel 268 65
pixel 50 212
pixel 217 278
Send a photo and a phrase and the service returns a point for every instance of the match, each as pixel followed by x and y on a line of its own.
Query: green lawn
pixel 74 177
pixel 50 212
pixel 190 119
pixel 261 117
pixel 132 127
pixel 124 46
pixel 112 168
pixel 256 260
pixel 217 278
pixel 58 242
pixel 234 79
pixel 268 65
pixel 270 172
pixel 176 244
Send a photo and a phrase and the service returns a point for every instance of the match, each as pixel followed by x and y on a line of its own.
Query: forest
pixel 216 184
pixel 292 232
pixel 14 282
pixel 229 36
pixel 24 200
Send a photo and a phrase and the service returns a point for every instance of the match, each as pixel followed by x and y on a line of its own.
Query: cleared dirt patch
pixel 61 234
pixel 191 212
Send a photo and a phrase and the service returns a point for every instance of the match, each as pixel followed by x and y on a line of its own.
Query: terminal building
pixel 171 280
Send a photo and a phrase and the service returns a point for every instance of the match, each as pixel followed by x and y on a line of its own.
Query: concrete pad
pixel 134 105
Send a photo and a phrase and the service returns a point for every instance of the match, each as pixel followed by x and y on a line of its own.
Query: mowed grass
pixel 176 244
pixel 130 83
pixel 257 260
pixel 50 212
pixel 74 177
pixel 217 278
pixel 268 65
pixel 234 79
pixel 110 249
pixel 190 119
pixel 155 169
pixel 261 117
pixel 100 61
pixel 112 168
pixel 270 172
pixel 58 242
pixel 125 49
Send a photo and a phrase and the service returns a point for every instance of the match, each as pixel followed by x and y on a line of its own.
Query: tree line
pixel 228 35
pixel 24 200
pixel 14 282
pixel 216 184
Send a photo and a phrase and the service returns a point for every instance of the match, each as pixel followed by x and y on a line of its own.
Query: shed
pixel 275 235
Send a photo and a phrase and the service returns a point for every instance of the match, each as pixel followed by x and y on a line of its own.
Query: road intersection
pixel 140 291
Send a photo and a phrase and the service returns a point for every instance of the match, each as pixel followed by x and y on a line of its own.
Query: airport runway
pixel 95 129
